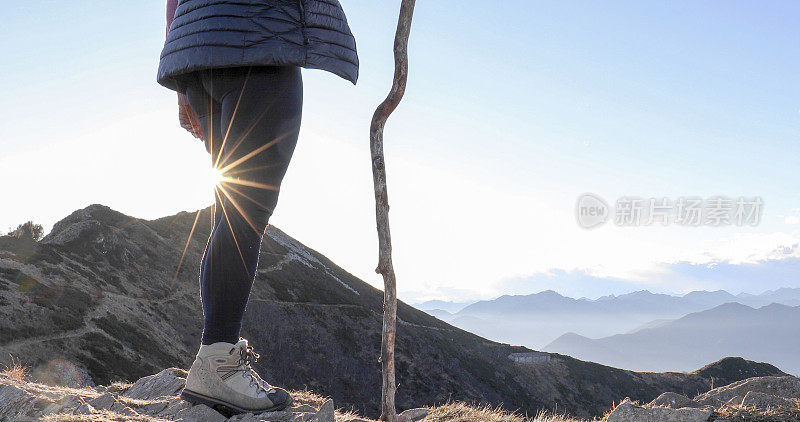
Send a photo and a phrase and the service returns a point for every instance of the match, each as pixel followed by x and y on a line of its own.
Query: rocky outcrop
pixel 767 401
pixel 152 398
pixel 753 399
pixel 627 411
pixel 673 401
pixel 787 387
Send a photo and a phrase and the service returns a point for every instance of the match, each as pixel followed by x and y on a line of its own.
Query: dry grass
pixel 308 398
pixel 349 416
pixel 50 392
pixel 101 416
pixel 745 414
pixel 461 412
pixel 305 397
pixel 139 402
pixel 15 371
pixel 119 386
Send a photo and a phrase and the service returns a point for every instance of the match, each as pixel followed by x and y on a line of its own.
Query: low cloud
pixel 751 277
pixel 778 268
pixel 572 283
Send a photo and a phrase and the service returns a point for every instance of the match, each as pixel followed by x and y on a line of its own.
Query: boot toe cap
pixel 280 398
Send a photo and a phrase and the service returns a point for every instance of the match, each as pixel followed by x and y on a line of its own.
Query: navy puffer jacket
pixel 226 33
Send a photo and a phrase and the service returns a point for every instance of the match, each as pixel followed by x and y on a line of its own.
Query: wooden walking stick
pixel 385 267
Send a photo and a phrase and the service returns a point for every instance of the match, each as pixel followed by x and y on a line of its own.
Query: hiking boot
pixel 221 378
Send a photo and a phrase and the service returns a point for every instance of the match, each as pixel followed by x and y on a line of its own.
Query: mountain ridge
pixel 99 299
pixel 717 297
pixel 537 319
pixel 767 333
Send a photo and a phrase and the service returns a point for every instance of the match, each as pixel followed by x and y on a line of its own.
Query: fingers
pixel 195 120
pixel 189 121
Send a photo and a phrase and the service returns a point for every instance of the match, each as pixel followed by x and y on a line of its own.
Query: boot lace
pixel 247 356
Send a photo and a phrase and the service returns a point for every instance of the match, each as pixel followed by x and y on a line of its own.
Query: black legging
pixel 250 117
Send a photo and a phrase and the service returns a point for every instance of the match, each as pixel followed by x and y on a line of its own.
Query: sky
pixel 513 110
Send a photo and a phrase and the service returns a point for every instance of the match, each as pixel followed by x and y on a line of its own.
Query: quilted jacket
pixel 225 33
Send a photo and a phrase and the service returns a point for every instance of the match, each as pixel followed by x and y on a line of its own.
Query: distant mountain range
pixel 536 320
pixel 99 299
pixel 770 333
pixel 443 305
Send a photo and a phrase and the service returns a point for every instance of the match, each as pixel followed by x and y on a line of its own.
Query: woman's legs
pixel 257 113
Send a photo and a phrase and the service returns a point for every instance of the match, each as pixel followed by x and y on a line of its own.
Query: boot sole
pixel 227 408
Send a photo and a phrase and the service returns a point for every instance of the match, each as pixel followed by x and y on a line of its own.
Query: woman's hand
pixel 188 117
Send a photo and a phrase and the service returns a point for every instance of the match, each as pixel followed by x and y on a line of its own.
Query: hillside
pixel 98 300
pixel 770 333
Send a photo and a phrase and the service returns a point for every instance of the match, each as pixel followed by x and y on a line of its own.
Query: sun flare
pixel 214 176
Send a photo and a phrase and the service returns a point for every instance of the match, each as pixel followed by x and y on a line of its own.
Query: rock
pixel 154 408
pixel 673 401
pixel 629 412
pixel 83 409
pixel 164 383
pixel 763 401
pixel 304 417
pixel 60 405
pixel 175 406
pixel 734 401
pixel 14 402
pixel 282 416
pixel 786 387
pixel 404 418
pixel 247 417
pixel 415 414
pixel 122 409
pixel 103 402
pixel 10 393
pixel 85 379
pixel 325 412
pixel 199 413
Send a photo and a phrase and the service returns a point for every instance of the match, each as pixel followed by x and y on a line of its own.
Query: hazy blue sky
pixel 513 109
